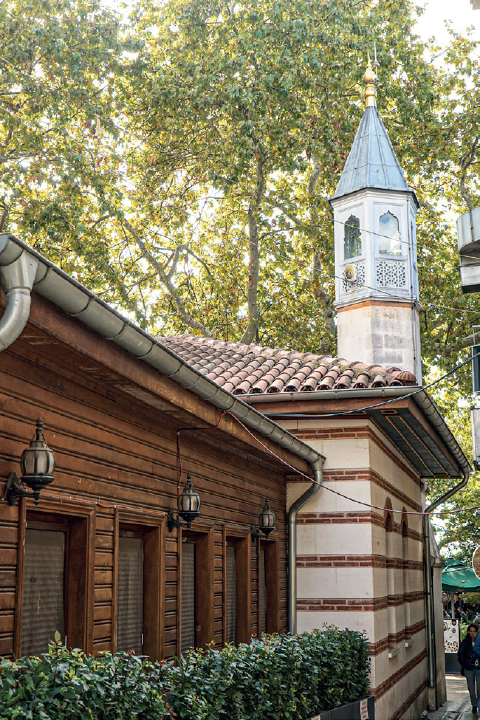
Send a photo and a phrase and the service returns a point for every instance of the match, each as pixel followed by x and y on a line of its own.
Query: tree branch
pixel 465 162
pixel 448 350
pixel 166 280
pixel 176 255
pixel 4 217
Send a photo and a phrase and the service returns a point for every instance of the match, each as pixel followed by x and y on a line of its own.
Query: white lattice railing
pixel 391 273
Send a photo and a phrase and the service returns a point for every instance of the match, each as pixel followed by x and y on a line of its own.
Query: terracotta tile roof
pixel 244 369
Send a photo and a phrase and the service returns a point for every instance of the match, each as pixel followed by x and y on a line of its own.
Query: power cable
pixel 336 492
pixel 392 400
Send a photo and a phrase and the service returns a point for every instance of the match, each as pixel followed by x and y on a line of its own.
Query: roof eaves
pixel 77 301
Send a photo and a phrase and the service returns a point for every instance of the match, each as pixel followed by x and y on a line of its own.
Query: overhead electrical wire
pixel 328 415
pixel 384 292
pixel 336 492
pixel 391 400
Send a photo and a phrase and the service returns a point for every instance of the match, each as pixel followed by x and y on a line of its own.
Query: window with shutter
pixel 231 599
pixel 188 596
pixel 43 589
pixel 130 595
pixel 262 590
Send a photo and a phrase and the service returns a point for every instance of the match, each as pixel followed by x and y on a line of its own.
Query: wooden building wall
pixel 112 422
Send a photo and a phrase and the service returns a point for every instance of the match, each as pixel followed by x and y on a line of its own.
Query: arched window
pixel 389 235
pixel 352 239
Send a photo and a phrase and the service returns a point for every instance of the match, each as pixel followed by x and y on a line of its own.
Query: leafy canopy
pixel 179 161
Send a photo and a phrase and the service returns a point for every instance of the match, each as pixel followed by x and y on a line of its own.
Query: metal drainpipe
pixel 17 274
pixel 432 675
pixel 317 467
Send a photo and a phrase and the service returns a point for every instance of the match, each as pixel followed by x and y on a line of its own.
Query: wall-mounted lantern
pixel 266 522
pixel 188 507
pixel 38 464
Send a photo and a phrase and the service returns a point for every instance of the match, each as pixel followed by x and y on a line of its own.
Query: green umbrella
pixel 456 577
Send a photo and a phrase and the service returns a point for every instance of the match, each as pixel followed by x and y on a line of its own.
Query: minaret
pixel 375 250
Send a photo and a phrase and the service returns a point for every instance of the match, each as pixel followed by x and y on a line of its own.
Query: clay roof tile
pixel 243 388
pixel 244 369
pixel 260 386
pixel 345 380
pixel 362 381
pixel 327 383
pixel 407 378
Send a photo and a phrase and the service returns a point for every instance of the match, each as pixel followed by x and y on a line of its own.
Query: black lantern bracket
pixel 14 490
pixel 37 463
pixel 188 507
pixel 173 522
pixel 258 536
pixel 266 523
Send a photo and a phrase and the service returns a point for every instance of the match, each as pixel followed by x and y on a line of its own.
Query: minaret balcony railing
pixel 391 274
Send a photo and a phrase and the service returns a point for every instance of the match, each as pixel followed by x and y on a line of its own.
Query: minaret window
pixel 389 241
pixel 352 238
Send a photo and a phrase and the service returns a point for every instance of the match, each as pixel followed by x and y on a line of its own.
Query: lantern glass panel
pixel 266 519
pixel 188 502
pixel 36 462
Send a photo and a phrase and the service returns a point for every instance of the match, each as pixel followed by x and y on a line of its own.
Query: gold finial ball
pixel 370 90
pixel 369 76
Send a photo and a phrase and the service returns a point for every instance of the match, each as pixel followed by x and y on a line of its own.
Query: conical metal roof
pixel 372 162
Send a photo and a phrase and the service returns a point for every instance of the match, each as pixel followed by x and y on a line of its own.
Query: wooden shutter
pixel 43 590
pixel 262 590
pixel 231 599
pixel 188 596
pixel 130 594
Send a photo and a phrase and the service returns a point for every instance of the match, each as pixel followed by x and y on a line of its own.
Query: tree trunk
pixel 322 297
pixel 251 331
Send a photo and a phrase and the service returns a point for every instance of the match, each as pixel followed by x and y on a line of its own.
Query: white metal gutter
pixel 22 268
pixel 81 303
pixel 419 396
pixel 17 274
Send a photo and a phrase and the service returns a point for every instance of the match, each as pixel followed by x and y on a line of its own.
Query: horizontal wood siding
pixel 115 450
pixel 103 593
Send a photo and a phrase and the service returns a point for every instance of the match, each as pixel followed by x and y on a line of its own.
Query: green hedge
pixel 283 676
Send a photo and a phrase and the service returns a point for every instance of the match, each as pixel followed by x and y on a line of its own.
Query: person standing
pixel 469 658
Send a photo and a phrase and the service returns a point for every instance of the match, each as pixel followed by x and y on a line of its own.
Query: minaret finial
pixel 370 90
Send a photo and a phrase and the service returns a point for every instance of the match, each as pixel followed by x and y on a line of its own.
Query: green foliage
pixel 284 676
pixel 180 164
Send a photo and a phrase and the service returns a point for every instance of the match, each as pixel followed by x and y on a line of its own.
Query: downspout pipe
pixel 17 275
pixel 317 467
pixel 430 606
